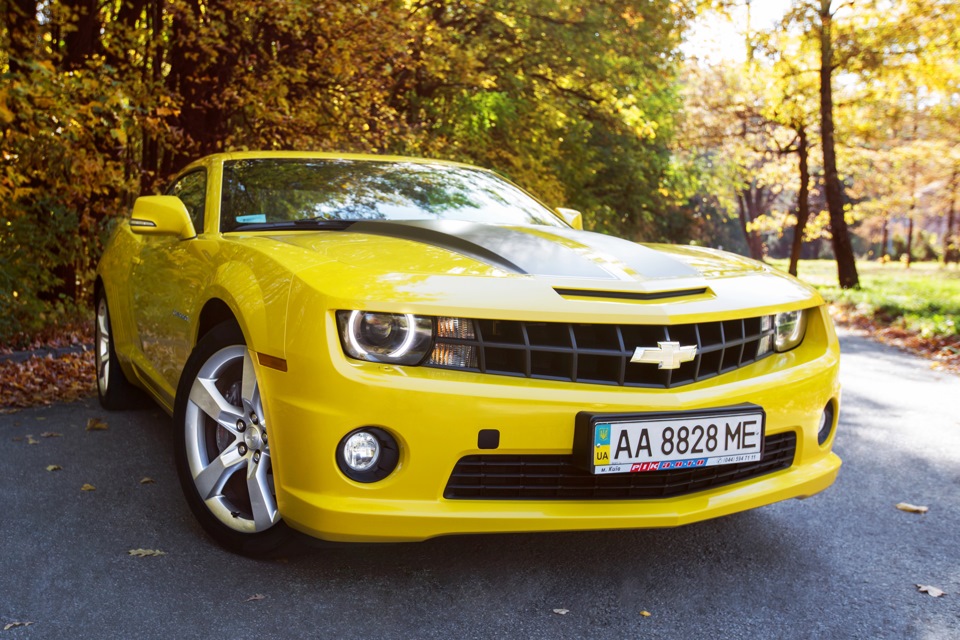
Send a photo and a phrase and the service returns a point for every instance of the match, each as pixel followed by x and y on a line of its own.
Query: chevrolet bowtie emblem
pixel 668 355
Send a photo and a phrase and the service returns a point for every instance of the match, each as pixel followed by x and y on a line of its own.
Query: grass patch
pixel 924 299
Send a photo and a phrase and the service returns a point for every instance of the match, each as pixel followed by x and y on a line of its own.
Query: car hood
pixel 426 263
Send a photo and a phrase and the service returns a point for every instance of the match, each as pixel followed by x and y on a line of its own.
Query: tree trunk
pixel 910 237
pixel 751 203
pixel 885 239
pixel 949 242
pixel 82 39
pixel 803 202
pixel 20 17
pixel 842 247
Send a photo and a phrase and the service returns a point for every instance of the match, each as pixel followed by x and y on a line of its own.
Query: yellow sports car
pixel 370 348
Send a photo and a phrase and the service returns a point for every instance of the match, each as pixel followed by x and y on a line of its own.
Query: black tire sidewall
pixel 120 393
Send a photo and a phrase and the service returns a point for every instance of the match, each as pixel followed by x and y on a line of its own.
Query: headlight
pixel 395 338
pixel 789 328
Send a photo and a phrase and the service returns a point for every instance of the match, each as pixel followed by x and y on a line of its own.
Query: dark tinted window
pixel 192 190
pixel 267 191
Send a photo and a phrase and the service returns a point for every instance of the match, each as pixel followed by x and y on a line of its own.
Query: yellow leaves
pixel 144 553
pixel 120 135
pixel 147 480
pixel 54 467
pixel 645 614
pixel 6 115
pixel 14 625
pixel 88 487
pixel 51 434
pixel 32 440
pixel 96 424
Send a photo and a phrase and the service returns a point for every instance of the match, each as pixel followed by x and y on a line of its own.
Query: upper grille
pixel 600 353
pixel 557 477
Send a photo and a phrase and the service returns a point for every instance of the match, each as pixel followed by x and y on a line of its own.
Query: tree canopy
pixel 103 100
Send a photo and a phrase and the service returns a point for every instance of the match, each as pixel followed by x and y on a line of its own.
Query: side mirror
pixel 571 216
pixel 161 216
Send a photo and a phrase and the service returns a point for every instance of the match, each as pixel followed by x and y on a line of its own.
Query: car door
pixel 167 281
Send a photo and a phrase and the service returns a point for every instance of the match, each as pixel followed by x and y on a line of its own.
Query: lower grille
pixel 552 477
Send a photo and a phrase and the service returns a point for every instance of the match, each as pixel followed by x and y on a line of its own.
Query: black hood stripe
pixel 544 251
pixel 437 238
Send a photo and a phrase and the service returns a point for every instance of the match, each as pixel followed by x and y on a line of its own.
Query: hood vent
pixel 630 295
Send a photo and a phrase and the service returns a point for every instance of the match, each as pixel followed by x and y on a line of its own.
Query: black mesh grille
pixel 601 353
pixel 552 477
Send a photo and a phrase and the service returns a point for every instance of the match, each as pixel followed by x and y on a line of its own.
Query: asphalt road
pixel 844 564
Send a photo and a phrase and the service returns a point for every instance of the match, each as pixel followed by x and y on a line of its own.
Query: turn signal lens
pixel 453 347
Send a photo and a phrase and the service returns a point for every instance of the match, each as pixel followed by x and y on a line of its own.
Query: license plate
pixel 634 443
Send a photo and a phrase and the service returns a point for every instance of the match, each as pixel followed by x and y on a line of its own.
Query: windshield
pixel 283 191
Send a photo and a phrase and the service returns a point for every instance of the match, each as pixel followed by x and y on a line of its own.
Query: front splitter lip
pixel 339 519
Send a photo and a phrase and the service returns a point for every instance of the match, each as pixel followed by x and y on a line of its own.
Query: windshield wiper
pixel 310 223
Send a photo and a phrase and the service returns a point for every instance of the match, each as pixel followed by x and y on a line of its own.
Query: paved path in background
pixel 843 564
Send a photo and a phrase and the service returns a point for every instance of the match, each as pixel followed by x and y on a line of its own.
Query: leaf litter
pixel 933 592
pixel 143 553
pixel 96 424
pixel 911 508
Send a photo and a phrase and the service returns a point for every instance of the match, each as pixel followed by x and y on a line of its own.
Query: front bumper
pixel 436 416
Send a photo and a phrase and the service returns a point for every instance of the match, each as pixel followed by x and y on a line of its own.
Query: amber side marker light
pixel 272 361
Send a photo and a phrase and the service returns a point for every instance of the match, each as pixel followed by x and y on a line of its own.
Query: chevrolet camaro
pixel 367 348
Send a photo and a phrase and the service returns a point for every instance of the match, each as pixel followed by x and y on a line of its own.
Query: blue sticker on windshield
pixel 252 219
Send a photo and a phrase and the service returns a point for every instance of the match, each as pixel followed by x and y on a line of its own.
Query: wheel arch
pixel 215 311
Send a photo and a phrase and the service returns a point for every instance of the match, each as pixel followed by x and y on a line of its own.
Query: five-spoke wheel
pixel 223 450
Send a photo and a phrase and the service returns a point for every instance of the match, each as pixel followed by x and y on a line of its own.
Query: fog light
pixel 368 454
pixel 826 423
pixel 361 451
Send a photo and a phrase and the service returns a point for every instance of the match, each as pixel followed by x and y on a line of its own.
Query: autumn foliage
pixel 103 101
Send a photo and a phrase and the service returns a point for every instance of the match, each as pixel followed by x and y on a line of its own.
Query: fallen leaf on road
pixel 14 625
pixel 96 424
pixel 645 614
pixel 32 440
pixel 933 591
pixel 911 508
pixel 561 612
pixel 255 597
pixel 146 480
pixel 54 467
pixel 142 553
pixel 88 487
pixel 51 434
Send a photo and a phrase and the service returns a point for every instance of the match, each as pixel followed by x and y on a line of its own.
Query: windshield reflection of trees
pixel 295 189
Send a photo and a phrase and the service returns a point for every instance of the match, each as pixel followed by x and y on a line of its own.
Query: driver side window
pixel 192 190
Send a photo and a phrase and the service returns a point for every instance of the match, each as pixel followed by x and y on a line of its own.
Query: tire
pixel 222 453
pixel 113 389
